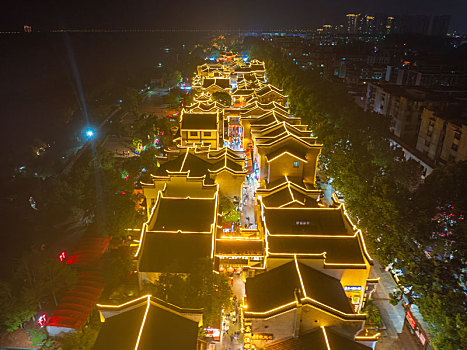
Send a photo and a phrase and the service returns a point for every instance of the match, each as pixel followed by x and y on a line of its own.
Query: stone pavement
pixel 229 341
pixel 393 316
pixel 248 205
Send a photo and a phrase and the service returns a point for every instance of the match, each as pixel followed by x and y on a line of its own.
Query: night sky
pixel 209 14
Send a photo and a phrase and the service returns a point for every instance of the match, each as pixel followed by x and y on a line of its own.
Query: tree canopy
pixel 201 288
pixel 222 97
pixel 420 227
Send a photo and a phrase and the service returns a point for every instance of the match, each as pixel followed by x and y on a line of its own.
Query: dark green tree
pixel 222 97
pixel 228 209
pixel 131 100
pixel 16 308
pixel 201 288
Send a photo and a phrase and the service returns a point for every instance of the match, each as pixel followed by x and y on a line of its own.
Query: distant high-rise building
pixel 351 23
pixel 389 27
pixel 370 25
pixel 360 23
pixel 416 24
pixel 327 29
pixel 440 25
pixel 382 24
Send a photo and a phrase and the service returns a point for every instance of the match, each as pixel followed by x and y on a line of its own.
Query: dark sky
pixel 207 14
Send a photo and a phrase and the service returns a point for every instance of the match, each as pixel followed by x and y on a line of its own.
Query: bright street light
pixel 89 133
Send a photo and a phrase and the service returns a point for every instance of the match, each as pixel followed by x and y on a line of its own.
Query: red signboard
pixel 415 327
pixel 422 338
pixel 410 318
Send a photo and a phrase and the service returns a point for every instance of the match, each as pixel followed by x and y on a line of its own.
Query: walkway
pixel 233 339
pixel 89 250
pixel 74 308
pixel 249 202
pixel 393 316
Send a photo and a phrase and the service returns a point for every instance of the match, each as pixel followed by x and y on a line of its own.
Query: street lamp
pixel 90 133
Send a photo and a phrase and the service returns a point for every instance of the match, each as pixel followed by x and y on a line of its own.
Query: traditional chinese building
pixel 148 323
pixel 180 230
pixel 323 238
pixel 270 93
pixel 177 184
pixel 322 338
pixel 282 149
pixel 205 107
pixel 223 167
pixel 201 128
pixel 240 97
pixel 293 299
pixel 203 97
pixel 285 193
pixel 245 250
pixel 209 69
pixel 306 265
pixel 257 67
pixel 229 57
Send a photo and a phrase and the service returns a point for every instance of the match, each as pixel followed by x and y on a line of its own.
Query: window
pixel 427 142
pixel 457 135
pixel 207 134
pixel 296 164
pixel 432 122
pixel 193 133
pixel 454 147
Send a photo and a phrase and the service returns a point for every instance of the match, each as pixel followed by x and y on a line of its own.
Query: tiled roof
pixel 199 121
pixel 288 195
pixel 200 163
pixel 152 322
pixel 284 284
pixel 317 222
pixel 292 149
pixel 318 339
pixel 172 252
pixel 333 250
pixel 223 83
pixel 242 92
pixel 184 214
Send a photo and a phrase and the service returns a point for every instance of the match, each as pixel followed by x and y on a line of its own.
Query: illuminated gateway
pixel 304 263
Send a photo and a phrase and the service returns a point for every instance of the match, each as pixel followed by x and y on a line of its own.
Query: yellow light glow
pixel 144 321
pixel 366 337
pixel 300 276
pixel 325 337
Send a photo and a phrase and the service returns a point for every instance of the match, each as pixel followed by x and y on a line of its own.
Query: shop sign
pixel 213 333
pixel 410 319
pixel 422 338
pixel 247 335
pixel 262 336
pixel 352 288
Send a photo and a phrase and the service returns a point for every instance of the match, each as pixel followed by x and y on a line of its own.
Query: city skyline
pixel 242 14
